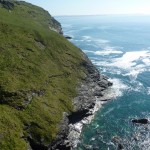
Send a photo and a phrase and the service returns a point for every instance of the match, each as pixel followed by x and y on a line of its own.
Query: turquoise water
pixel 120 48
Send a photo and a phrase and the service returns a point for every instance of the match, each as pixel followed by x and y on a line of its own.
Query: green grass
pixel 34 58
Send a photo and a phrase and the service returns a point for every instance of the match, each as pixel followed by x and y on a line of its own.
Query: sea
pixel 119 46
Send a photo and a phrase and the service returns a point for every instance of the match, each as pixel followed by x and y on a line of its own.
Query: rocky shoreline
pixel 91 95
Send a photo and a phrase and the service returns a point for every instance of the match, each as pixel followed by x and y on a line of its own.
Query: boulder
pixel 103 83
pixel 105 100
pixel 120 147
pixel 116 139
pixel 68 37
pixel 141 121
pixel 110 83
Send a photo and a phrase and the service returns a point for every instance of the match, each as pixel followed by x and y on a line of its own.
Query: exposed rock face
pixel 53 24
pixel 68 37
pixel 92 87
pixel 56 26
pixel 64 130
pixel 118 142
pixel 141 121
pixel 7 4
pixel 23 97
pixel 120 147
pixel 116 139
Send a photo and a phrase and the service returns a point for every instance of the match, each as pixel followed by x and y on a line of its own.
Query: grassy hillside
pixel 39 72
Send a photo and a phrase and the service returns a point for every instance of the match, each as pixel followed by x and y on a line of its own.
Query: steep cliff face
pixel 92 88
pixel 39 75
pixel 39 71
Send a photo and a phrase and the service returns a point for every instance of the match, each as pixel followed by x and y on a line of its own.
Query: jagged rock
pixel 116 139
pixel 60 143
pixel 103 83
pixel 98 93
pixel 24 96
pixel 110 83
pixel 120 147
pixel 88 147
pixel 68 37
pixel 7 4
pixel 141 121
pixel 92 86
pixel 104 100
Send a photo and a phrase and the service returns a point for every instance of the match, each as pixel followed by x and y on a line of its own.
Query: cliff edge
pixel 45 81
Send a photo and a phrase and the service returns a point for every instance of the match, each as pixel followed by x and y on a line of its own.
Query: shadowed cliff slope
pixel 39 73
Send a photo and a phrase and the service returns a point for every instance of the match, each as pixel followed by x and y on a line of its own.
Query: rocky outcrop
pixel 68 37
pixel 20 99
pixel 118 142
pixel 38 80
pixel 53 24
pixel 90 89
pixel 7 4
pixel 120 147
pixel 140 121
pixel 58 143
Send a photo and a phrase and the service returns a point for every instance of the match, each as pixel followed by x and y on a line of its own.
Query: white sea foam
pixel 101 41
pixel 86 28
pixel 93 45
pixel 118 87
pixel 127 61
pixel 97 41
pixel 134 72
pixel 93 61
pixel 75 129
pixel 109 110
pixel 86 37
pixel 131 63
pixel 88 51
pixel 108 51
pixel 116 90
pixel 66 25
pixel 148 90
pixel 78 40
pixel 136 86
pixel 147 61
pixel 140 138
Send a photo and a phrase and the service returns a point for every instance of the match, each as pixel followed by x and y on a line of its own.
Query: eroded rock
pixel 68 37
pixel 7 4
pixel 120 147
pixel 141 121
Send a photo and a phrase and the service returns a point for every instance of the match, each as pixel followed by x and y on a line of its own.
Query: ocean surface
pixel 119 46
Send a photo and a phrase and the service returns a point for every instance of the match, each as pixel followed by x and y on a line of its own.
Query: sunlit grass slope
pixel 39 72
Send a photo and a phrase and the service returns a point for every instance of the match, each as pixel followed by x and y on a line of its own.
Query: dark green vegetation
pixel 39 72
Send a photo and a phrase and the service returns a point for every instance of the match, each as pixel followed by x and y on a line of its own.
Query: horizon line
pixel 140 14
